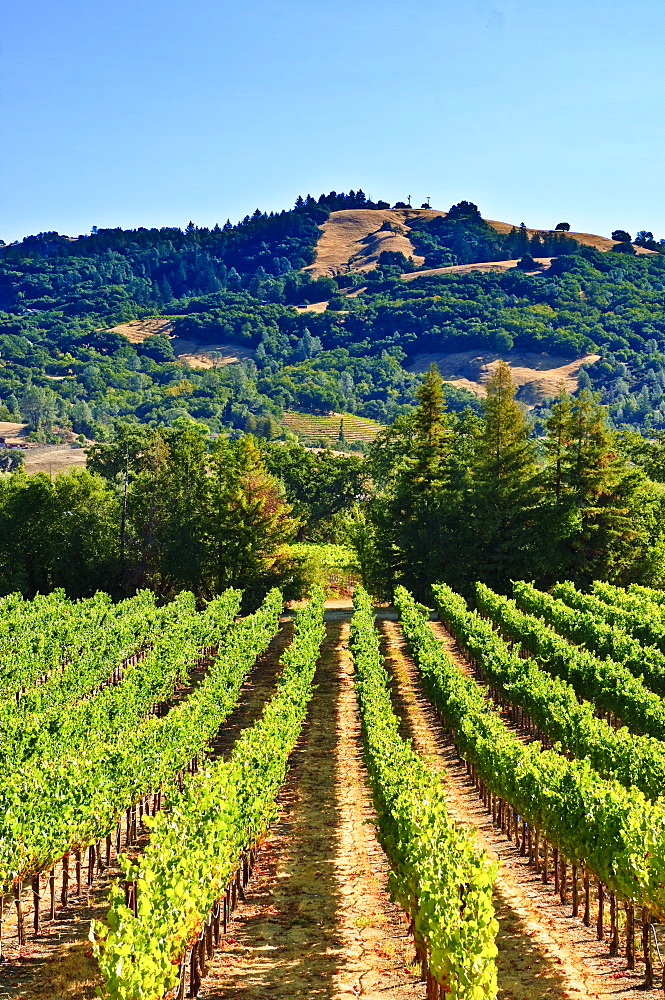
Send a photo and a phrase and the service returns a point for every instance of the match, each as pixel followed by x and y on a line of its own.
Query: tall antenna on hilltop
pixel 429 198
pixel 408 198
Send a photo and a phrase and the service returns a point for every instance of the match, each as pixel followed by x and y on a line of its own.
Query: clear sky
pixel 155 112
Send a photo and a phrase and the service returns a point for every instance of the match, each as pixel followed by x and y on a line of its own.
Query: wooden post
pixel 118 837
pixel 600 930
pixel 646 946
pixel 523 844
pixel 180 992
pixel 562 879
pixel 614 925
pixel 128 830
pixel 51 882
pixel 193 971
pixel 573 875
pixel 555 866
pixel 18 889
pixel 201 952
pixel 91 864
pixel 586 919
pixel 545 872
pixel 36 900
pixel 630 935
pixel 65 880
pixel 77 856
pixel 536 850
pixel 108 850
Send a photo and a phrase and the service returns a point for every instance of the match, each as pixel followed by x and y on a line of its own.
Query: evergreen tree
pixel 597 493
pixel 506 495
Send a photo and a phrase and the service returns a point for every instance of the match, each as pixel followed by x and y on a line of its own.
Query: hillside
pixel 353 239
pixel 537 376
pixel 327 308
pixel 313 427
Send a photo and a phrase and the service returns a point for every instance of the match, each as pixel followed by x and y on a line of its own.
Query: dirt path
pixel 543 951
pixel 318 921
pixel 58 963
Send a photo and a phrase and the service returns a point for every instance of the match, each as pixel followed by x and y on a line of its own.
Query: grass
pixel 335 567
pixel 308 425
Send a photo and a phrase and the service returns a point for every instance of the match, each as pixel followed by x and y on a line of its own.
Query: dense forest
pixel 64 371
pixel 192 480
pixel 440 496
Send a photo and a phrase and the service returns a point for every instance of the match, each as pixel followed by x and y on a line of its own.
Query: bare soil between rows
pixel 318 922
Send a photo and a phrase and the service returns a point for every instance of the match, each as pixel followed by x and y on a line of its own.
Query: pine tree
pixel 433 436
pixel 596 492
pixel 506 495
pixel 558 426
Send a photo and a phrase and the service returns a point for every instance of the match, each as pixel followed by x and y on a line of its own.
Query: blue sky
pixel 155 112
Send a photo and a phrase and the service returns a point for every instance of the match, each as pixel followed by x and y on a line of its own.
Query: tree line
pixel 453 496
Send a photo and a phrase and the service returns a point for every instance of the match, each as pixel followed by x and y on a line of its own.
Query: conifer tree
pixel 432 442
pixel 506 493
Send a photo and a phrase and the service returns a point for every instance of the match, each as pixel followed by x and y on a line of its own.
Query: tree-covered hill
pixel 64 370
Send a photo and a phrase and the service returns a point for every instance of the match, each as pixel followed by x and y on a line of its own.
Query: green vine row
pixel 617 834
pixel 437 876
pixel 551 703
pixel 629 631
pixel 197 845
pixel 611 686
pixel 76 799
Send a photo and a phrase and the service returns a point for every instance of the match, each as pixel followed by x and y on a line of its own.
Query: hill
pixel 537 376
pixel 353 239
pixel 325 308
pixel 312 427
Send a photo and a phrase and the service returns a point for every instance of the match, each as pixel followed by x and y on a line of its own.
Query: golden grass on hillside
pixel 352 239
pixel 309 425
pixel 537 375
pixel 491 265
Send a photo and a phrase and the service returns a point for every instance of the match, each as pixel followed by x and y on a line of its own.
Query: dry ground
pixel 352 239
pixel 492 265
pixel 198 355
pixel 190 352
pixel 318 922
pixel 537 375
pixel 54 458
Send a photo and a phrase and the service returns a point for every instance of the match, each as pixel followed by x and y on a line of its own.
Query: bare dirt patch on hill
pixel 197 355
pixel 194 353
pixel 353 239
pixel 490 265
pixel 537 375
